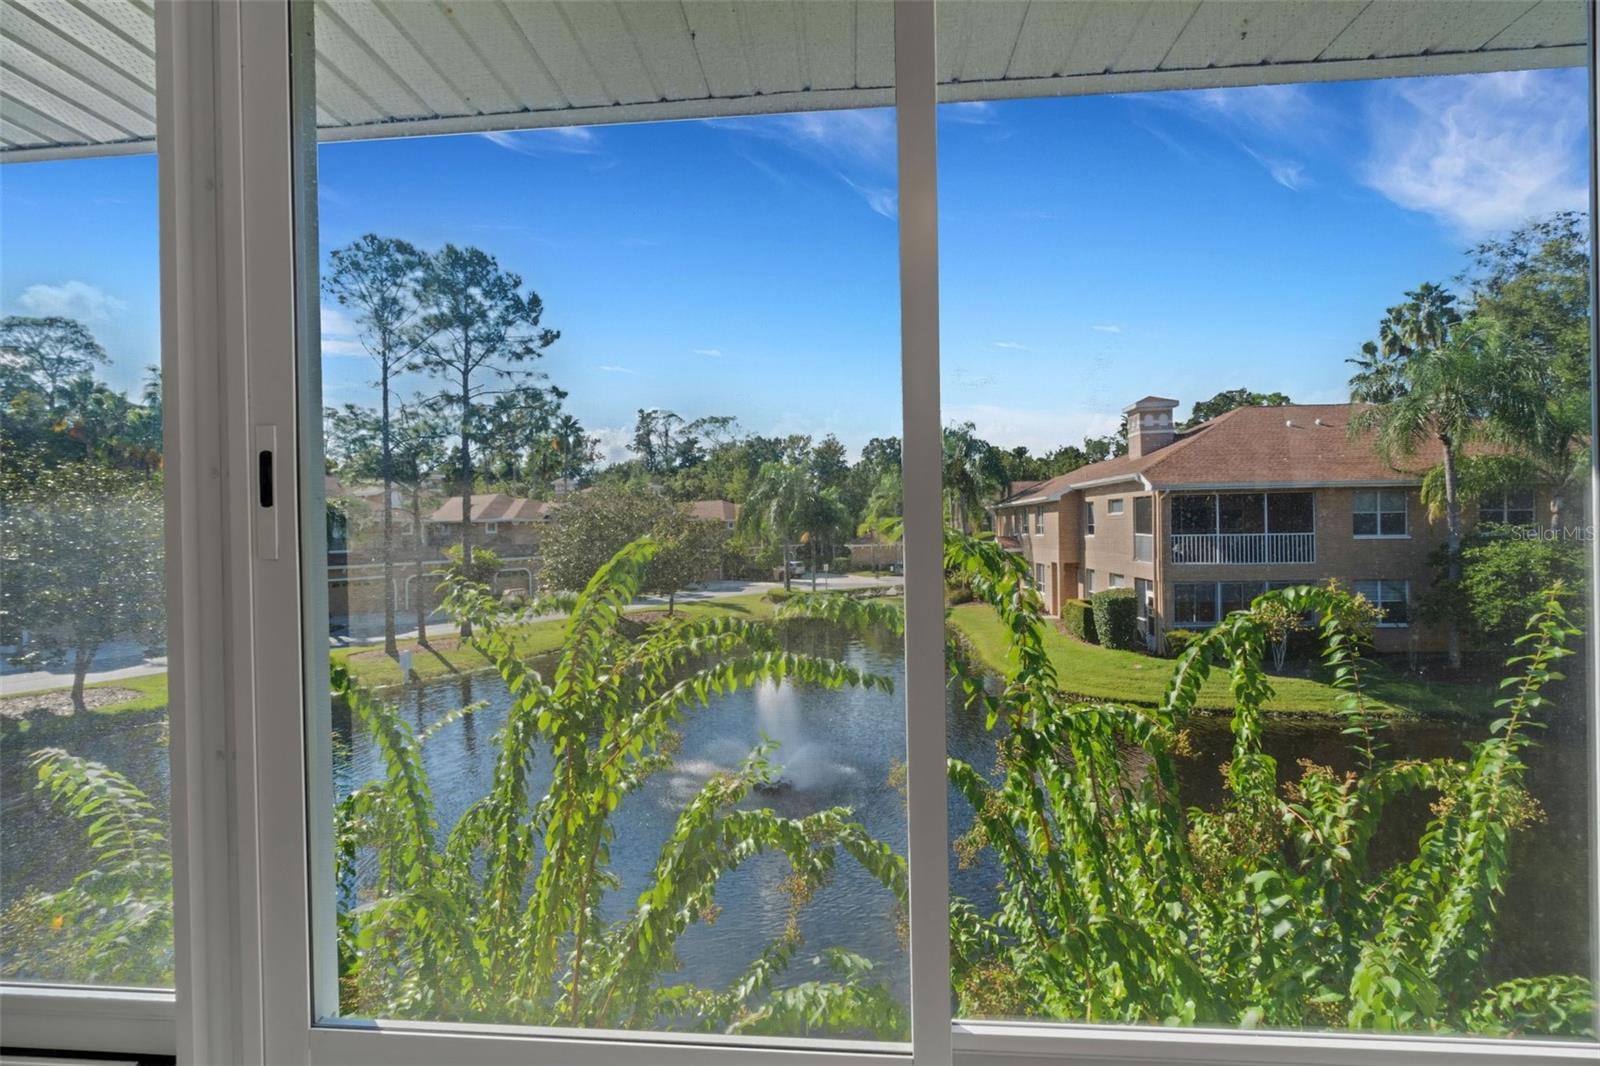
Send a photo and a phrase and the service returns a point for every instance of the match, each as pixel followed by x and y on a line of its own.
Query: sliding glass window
pixel 1314 808
pixel 605 557
pixel 85 872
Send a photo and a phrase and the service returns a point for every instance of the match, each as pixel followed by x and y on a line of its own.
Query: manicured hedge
pixel 1116 618
pixel 1077 618
pixel 1178 640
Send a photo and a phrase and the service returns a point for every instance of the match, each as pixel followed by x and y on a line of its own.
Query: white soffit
pixel 77 77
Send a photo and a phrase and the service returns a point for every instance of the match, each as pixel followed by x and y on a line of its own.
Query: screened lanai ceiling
pixel 77 77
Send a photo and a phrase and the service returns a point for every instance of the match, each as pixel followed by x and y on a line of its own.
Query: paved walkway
pixel 122 661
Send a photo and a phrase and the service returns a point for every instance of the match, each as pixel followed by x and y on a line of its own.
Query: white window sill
pixel 67 1018
pixel 1380 536
pixel 994 1043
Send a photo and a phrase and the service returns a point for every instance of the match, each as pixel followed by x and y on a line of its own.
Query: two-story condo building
pixel 1199 522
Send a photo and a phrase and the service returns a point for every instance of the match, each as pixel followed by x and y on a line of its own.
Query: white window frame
pixel 1378 513
pixel 1088 518
pixel 1502 507
pixel 1381 583
pixel 242 938
pixel 1114 507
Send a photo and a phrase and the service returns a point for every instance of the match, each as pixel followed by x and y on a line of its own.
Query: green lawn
pixel 1084 669
pixel 1125 676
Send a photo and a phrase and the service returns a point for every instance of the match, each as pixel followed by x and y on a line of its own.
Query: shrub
pixel 1267 910
pixel 1077 618
pixel 1116 618
pixel 1180 640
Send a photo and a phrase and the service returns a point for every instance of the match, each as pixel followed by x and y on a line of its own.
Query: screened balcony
pixel 1243 528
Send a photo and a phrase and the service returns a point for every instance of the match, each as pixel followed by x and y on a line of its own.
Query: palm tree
pixel 1423 323
pixel 824 519
pixel 780 506
pixel 973 473
pixel 1446 391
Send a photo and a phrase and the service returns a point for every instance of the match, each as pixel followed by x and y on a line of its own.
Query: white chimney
pixel 1149 424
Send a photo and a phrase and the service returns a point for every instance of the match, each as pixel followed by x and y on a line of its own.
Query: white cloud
pixel 968 112
pixel 866 135
pixel 1106 327
pixel 1013 345
pixel 1273 108
pixel 339 333
pixel 1482 152
pixel 883 201
pixel 616 369
pixel 573 140
pixel 1040 430
pixel 612 443
pixel 715 353
pixel 1290 173
pixel 71 299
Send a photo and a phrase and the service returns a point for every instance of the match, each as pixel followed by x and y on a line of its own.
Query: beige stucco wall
pixel 1110 550
pixel 1342 555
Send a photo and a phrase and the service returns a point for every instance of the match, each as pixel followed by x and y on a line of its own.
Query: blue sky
pixel 1093 249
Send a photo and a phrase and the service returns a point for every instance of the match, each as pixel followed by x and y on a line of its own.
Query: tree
pixel 1445 388
pixel 52 351
pixel 973 474
pixel 1422 323
pixel 482 329
pixel 81 561
pixel 1502 583
pixel 1228 399
pixel 419 450
pixel 376 279
pixel 595 525
pixel 1534 284
pixel 779 507
pixel 575 450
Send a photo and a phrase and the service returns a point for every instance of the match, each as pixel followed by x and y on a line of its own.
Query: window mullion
pixel 927 833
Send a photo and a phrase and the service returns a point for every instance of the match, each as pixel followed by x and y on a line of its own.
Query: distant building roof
pixel 494 507
pixel 1288 446
pixel 715 510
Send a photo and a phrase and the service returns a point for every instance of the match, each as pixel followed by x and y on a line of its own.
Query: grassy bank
pixel 1085 669
pixel 1128 677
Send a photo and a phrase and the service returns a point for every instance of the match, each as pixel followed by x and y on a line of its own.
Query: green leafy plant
pixel 1118 905
pixel 501 917
pixel 113 923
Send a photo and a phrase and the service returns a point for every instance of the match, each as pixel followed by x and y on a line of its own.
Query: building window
pixel 1117 581
pixel 1088 518
pixel 1391 598
pixel 1038 577
pixel 1236 596
pixel 1506 507
pixel 1194 603
pixel 491 529
pixel 1038 519
pixel 1088 583
pixel 1143 603
pixel 1144 541
pixel 1113 507
pixel 1380 513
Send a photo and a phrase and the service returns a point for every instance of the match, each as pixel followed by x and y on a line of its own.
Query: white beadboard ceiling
pixel 77 77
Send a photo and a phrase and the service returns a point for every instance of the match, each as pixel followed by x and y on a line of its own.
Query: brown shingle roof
pixel 1298 444
pixel 715 510
pixel 493 507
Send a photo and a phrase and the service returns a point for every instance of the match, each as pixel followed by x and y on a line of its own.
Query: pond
pixel 840 748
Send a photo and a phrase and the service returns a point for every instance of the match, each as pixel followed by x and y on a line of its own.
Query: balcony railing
pixel 1231 548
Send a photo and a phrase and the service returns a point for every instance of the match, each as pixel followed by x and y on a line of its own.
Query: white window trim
pixel 1405 494
pixel 1380 582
